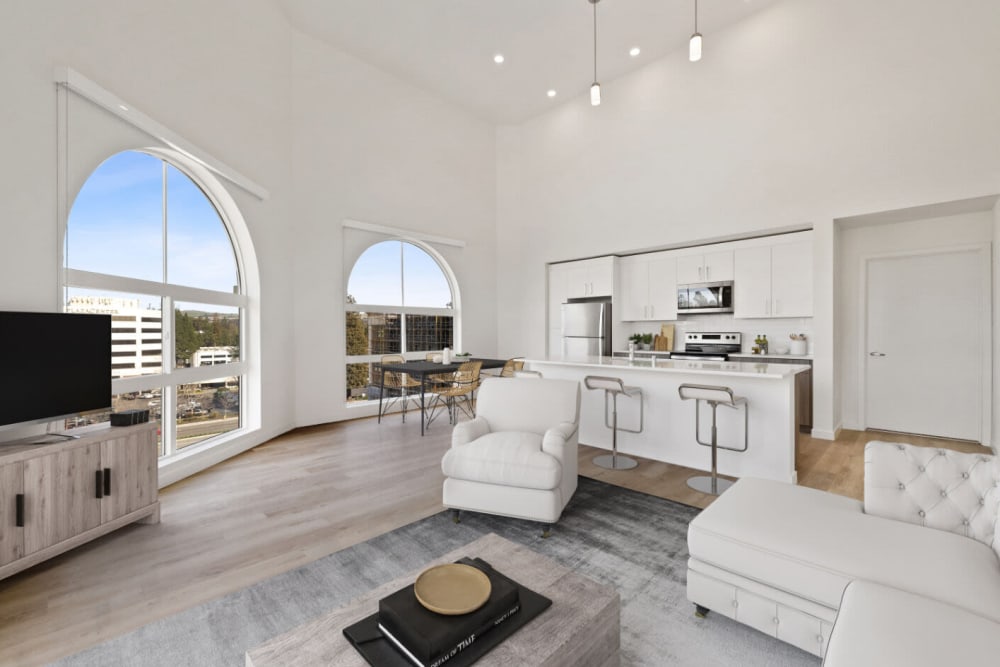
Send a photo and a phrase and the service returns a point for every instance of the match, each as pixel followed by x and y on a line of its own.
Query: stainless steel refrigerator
pixel 586 329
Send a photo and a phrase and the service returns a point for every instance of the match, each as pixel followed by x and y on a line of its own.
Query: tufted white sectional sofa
pixel 909 577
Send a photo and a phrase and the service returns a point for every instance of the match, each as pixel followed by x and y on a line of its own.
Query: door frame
pixel 985 251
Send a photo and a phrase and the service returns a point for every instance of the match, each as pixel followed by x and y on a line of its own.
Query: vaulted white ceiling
pixel 447 46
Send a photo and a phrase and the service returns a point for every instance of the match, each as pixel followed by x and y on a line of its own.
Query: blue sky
pixel 378 277
pixel 115 226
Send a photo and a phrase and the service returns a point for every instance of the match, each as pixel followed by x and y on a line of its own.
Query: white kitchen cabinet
pixel 710 267
pixel 752 282
pixel 792 280
pixel 558 293
pixel 648 287
pixel 590 277
pixel 774 280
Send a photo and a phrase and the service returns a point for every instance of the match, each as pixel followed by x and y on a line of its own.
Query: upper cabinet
pixel 709 267
pixel 589 277
pixel 648 287
pixel 775 279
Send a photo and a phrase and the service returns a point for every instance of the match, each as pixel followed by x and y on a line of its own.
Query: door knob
pixel 876 354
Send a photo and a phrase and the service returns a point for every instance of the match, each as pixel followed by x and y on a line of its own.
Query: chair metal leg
pixel 615 461
pixel 711 485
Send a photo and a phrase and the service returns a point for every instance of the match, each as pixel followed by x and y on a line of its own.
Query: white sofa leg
pixel 700 612
pixel 456 517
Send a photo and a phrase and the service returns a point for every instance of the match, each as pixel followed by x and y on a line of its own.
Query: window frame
pixel 454 312
pixel 171 377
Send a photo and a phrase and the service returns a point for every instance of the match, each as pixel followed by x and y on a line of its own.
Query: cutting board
pixel 665 341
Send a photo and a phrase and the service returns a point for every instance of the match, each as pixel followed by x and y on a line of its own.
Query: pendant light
pixel 595 88
pixel 694 46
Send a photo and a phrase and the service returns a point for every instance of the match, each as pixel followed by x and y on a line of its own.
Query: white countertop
pixel 724 368
pixel 732 355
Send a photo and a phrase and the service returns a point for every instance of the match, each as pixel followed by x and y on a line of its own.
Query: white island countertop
pixel 756 369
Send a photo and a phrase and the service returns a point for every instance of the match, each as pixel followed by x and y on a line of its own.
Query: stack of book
pixel 429 639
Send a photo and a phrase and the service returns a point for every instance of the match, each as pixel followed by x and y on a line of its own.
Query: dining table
pixel 422 369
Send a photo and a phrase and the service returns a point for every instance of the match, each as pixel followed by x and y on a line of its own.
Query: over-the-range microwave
pixel 705 298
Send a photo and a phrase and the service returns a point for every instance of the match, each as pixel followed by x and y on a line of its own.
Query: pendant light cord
pixel 696 16
pixel 595 40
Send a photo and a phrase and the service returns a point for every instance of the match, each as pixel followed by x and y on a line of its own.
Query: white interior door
pixel 925 348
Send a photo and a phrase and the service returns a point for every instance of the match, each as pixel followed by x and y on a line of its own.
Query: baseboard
pixel 178 469
pixel 824 434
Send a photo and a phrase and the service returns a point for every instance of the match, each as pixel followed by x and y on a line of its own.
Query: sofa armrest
pixel 558 439
pixel 466 432
pixel 936 488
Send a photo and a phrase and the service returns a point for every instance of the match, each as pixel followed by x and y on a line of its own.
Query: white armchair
pixel 518 457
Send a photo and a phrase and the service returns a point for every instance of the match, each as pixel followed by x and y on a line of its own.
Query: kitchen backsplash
pixel 776 329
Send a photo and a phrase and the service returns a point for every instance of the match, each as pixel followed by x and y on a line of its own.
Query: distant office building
pixel 136 333
pixel 212 356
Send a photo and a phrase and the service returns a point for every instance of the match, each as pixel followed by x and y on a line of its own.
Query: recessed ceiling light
pixel 498 59
pixel 123 107
pixel 551 93
pixel 634 51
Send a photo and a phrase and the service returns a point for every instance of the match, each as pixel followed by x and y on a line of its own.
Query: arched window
pixel 400 300
pixel 147 244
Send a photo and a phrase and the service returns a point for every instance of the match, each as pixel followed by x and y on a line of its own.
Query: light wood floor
pixel 283 504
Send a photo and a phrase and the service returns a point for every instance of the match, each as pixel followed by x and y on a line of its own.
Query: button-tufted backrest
pixel 932 487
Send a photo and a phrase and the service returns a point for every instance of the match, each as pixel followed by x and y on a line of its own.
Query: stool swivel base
pixel 615 461
pixel 713 486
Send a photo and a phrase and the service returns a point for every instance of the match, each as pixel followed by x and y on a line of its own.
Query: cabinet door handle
pixel 100 483
pixel 652 312
pixel 708 272
pixel 19 510
pixel 107 481
pixel 701 270
pixel 777 306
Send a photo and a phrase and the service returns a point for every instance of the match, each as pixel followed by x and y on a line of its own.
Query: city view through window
pixel 399 301
pixel 146 230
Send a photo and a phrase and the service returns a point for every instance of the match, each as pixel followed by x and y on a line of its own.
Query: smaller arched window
pixel 399 301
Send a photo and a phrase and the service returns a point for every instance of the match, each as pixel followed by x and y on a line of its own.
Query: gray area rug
pixel 634 542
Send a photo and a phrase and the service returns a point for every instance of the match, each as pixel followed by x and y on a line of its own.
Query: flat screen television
pixel 53 365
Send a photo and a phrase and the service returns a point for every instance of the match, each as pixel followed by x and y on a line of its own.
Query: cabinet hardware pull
pixel 100 483
pixel 107 481
pixel 19 510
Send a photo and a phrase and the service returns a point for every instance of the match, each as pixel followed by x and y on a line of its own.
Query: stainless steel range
pixel 710 346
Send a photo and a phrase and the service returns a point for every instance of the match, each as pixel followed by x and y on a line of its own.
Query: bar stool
pixel 614 387
pixel 714 396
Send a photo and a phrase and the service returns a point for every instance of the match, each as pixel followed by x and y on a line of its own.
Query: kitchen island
pixel 669 430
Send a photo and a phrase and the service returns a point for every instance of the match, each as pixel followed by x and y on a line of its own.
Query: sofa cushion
pixel 510 458
pixel 812 544
pixel 879 625
pixel 936 488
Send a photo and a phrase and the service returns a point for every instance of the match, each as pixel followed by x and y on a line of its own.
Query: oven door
pixel 705 298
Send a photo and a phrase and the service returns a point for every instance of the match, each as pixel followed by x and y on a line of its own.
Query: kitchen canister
pixel 797 347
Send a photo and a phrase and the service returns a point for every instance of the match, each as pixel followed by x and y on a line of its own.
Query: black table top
pixel 420 367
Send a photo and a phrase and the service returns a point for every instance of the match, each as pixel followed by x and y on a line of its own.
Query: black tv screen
pixel 53 365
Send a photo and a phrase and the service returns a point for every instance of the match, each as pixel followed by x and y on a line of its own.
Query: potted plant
pixel 647 341
pixel 637 339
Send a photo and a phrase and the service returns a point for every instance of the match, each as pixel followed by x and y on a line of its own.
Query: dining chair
pixel 397 385
pixel 512 366
pixel 437 379
pixel 460 390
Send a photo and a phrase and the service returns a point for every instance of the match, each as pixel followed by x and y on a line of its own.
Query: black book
pixel 430 638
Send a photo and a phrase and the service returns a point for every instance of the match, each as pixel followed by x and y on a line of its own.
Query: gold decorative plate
pixel 452 589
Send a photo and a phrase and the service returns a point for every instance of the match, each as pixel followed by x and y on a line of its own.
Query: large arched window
pixel 147 244
pixel 400 300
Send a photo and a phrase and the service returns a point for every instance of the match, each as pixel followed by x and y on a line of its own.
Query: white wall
pixel 857 243
pixel 328 136
pixel 806 112
pixel 215 73
pixel 372 148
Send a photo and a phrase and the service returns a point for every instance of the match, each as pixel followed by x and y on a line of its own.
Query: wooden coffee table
pixel 582 627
